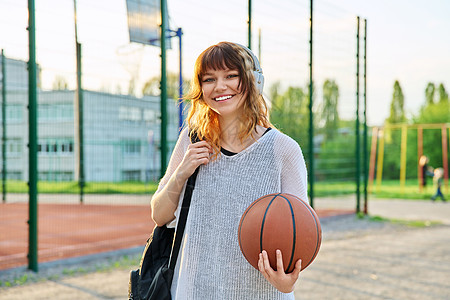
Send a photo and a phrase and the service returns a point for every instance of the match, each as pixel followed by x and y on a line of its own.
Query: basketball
pixel 280 221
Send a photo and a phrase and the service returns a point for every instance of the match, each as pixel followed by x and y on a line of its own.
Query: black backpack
pixel 153 279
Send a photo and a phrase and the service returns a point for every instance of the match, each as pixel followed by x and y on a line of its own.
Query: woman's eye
pixel 208 80
pixel 232 76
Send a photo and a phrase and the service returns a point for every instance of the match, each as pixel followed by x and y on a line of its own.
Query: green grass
pixel 389 189
pixel 47 187
pixel 409 223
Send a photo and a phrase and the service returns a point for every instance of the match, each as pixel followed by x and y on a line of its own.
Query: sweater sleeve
pixel 294 176
pixel 176 158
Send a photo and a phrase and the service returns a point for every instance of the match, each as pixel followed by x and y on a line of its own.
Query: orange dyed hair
pixel 202 120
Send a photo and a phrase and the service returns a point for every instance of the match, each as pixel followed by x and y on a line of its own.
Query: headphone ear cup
pixel 257 71
pixel 259 81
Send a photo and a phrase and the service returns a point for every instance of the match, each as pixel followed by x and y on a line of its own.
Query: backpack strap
pixel 181 224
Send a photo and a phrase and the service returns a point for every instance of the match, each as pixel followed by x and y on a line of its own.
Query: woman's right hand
pixel 165 202
pixel 197 154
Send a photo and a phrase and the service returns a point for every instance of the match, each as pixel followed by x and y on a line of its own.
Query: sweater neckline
pixel 249 148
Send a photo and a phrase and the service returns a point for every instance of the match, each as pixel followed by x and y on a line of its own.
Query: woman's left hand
pixel 279 279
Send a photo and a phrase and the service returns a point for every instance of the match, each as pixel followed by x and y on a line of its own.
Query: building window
pixel 14 113
pixel 134 175
pixel 14 147
pixel 130 114
pixel 131 147
pixel 55 146
pixel 150 116
pixel 14 175
pixel 55 112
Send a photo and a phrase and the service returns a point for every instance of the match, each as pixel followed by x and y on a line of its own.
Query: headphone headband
pixel 257 70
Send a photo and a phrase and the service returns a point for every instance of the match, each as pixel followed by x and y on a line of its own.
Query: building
pixel 121 135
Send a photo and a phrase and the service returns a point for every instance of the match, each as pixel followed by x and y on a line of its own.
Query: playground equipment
pixel 378 138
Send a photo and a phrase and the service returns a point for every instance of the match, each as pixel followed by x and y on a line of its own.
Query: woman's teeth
pixel 222 98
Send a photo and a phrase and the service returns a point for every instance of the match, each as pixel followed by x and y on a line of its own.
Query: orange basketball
pixel 280 221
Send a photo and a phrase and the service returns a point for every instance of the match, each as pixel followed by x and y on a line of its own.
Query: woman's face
pixel 221 91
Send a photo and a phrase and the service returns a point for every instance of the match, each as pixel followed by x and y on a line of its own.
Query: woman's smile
pixel 221 91
pixel 223 98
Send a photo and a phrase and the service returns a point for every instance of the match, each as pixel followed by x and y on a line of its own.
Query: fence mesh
pixel 120 82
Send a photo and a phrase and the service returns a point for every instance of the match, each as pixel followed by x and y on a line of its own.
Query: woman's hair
pixel 201 118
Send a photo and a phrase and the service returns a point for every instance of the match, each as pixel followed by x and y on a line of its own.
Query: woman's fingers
pixel 279 261
pixel 297 269
pixel 197 154
pixel 202 144
pixel 266 262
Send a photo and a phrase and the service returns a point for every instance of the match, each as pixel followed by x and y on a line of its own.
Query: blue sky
pixel 407 41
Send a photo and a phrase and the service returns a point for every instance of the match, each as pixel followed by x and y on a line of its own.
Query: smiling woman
pixel 227 93
pixel 222 93
pixel 239 159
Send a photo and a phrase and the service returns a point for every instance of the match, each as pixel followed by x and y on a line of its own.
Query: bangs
pixel 220 58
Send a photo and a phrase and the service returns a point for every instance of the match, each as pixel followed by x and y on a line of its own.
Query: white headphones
pixel 257 71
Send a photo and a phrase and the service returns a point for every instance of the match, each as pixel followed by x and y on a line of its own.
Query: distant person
pixel 438 178
pixel 425 169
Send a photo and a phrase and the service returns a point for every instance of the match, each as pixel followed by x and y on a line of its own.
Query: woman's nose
pixel 221 85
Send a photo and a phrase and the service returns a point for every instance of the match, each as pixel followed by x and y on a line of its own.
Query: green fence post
pixel 163 90
pixel 357 147
pixel 80 105
pixel 32 142
pixel 249 24
pixel 365 158
pixel 311 123
pixel 79 109
pixel 4 170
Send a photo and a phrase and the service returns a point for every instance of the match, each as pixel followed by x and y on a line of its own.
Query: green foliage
pixel 290 114
pixel 434 113
pixel 329 108
pixel 336 160
pixel 443 95
pixel 334 188
pixel 152 86
pixel 397 114
pixel 429 93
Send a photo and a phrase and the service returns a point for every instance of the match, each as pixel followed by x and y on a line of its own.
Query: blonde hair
pixel 438 173
pixel 202 120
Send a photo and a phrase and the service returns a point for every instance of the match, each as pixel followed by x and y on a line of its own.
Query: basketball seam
pixel 263 221
pixel 317 231
pixel 294 239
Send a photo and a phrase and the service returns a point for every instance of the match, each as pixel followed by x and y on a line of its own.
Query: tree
pixel 152 86
pixel 289 112
pixel 397 114
pixel 443 95
pixel 60 83
pixel 329 112
pixel 429 93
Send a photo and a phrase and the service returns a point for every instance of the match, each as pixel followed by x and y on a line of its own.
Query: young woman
pixel 242 157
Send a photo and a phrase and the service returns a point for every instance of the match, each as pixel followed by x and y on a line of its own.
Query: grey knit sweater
pixel 210 264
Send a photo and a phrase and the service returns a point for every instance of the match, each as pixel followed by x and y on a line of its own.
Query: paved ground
pixel 359 259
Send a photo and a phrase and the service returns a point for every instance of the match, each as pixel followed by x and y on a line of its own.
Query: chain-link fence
pixel 120 86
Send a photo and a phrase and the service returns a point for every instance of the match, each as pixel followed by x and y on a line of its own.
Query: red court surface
pixel 71 230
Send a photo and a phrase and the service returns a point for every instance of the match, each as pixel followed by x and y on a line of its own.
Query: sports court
pixel 70 229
